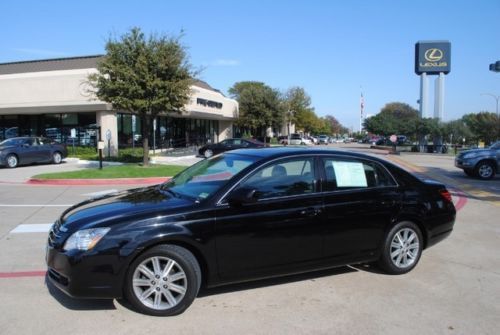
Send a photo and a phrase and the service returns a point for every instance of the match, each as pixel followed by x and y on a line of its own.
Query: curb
pixel 89 182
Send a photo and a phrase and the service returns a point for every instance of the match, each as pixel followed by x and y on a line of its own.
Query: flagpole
pixel 362 107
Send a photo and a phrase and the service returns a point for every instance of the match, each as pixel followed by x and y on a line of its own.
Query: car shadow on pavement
pixel 205 292
pixel 78 304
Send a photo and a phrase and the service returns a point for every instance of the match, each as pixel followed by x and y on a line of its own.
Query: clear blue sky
pixel 330 48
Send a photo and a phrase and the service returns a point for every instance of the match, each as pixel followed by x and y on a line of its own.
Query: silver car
pixel 481 163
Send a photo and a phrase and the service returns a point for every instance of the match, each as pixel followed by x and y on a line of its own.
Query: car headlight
pixel 85 239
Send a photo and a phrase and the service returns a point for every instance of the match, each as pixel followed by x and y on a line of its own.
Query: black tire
pixel 184 261
pixel 470 173
pixel 12 161
pixel 405 256
pixel 57 157
pixel 484 170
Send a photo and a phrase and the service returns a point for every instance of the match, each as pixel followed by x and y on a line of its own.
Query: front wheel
pixel 485 170
pixel 402 248
pixel 208 153
pixel 163 281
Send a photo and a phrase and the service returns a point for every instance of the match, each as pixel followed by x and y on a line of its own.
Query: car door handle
pixel 309 212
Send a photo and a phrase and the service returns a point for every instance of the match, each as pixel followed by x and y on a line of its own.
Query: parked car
pixel 242 215
pixel 323 139
pixel 298 139
pixel 27 150
pixel 481 163
pixel 283 140
pixel 229 144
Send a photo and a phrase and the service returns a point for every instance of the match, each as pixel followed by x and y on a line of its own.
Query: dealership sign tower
pixel 432 58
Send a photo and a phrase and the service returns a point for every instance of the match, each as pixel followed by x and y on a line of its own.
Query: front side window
pixel 283 178
pixel 351 173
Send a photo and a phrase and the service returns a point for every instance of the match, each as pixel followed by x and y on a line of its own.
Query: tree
pixel 298 102
pixel 336 127
pixel 394 118
pixel 484 125
pixel 456 131
pixel 260 106
pixel 146 76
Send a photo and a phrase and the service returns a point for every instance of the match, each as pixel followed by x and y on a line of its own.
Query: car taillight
pixel 446 195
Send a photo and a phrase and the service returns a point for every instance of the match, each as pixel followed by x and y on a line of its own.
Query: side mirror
pixel 242 196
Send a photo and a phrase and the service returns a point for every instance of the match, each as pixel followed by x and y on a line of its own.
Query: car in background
pixel 298 139
pixel 481 163
pixel 323 139
pixel 245 215
pixel 283 140
pixel 28 150
pixel 209 150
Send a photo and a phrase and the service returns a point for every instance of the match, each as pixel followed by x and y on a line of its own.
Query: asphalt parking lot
pixel 455 289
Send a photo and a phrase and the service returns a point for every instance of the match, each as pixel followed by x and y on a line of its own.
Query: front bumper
pixel 86 274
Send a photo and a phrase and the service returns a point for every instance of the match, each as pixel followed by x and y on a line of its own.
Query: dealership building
pixel 52 98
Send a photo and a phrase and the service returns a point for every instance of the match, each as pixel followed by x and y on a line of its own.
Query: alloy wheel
pixel 208 153
pixel 12 161
pixel 57 158
pixel 485 171
pixel 159 283
pixel 405 247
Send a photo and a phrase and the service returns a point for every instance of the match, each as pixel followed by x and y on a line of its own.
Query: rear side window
pixel 351 173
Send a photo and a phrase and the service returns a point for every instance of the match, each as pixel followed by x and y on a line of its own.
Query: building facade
pixel 52 98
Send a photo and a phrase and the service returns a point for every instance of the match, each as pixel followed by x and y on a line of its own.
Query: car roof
pixel 276 152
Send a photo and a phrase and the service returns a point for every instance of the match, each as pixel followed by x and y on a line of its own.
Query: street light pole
pixel 496 97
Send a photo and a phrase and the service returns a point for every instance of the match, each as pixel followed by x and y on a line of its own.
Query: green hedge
pixel 128 155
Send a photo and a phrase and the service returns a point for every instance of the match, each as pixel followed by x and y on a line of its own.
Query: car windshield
pixel 12 141
pixel 208 176
pixel 495 146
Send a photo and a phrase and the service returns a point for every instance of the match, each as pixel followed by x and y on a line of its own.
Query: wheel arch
pixel 418 222
pixel 490 160
pixel 172 240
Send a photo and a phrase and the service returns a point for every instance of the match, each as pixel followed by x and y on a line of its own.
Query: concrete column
pixel 424 96
pixel 225 130
pixel 439 97
pixel 107 120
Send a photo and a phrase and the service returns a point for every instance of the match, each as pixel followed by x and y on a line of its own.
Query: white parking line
pixel 32 228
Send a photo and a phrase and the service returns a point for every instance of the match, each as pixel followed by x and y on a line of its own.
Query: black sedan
pixel 229 144
pixel 27 150
pixel 242 215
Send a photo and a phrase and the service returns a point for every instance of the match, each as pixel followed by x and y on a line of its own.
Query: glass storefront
pixel 170 132
pixel 55 126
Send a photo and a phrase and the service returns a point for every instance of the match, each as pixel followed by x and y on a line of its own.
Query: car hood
pixel 476 151
pixel 122 206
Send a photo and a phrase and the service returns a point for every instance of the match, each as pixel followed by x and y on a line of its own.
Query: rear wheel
pixel 163 281
pixel 12 161
pixel 56 158
pixel 402 248
pixel 485 170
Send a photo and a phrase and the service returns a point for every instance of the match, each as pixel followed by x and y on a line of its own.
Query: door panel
pixel 267 234
pixel 281 229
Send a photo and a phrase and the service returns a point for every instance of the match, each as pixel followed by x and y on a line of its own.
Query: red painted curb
pixel 114 181
pixel 22 274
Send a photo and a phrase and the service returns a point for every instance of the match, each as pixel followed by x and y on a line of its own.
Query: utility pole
pixel 496 97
